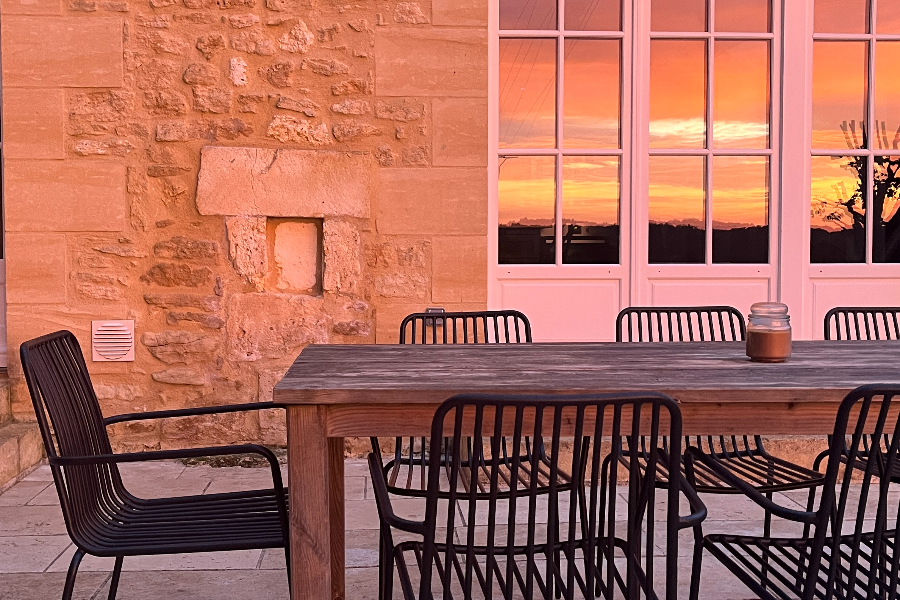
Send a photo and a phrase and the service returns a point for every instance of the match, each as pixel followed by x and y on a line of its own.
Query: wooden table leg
pixel 316 481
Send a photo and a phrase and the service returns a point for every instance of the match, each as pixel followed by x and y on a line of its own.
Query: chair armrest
pixel 698 508
pixel 748 490
pixel 189 412
pixel 383 500
pixel 128 457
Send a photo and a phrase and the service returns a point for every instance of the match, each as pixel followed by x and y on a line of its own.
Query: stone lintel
pixel 284 182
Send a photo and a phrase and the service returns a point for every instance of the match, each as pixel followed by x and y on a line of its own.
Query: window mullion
pixel 560 90
pixel 872 130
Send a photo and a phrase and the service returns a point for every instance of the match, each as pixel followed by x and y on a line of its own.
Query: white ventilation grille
pixel 112 340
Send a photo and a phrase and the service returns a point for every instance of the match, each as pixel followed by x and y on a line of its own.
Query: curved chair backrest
pixel 513 554
pixel 863 323
pixel 71 425
pixel 852 489
pixel 680 324
pixel 476 327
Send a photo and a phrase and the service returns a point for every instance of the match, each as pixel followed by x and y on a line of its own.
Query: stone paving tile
pixel 361 584
pixel 32 538
pixel 31 520
pixel 200 561
pixel 42 473
pixel 47 497
pixel 23 492
pixel 202 585
pixel 44 586
pixel 30 553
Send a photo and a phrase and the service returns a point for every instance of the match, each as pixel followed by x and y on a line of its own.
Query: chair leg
pixel 287 561
pixel 114 582
pixel 70 576
pixel 696 568
pixel 767 533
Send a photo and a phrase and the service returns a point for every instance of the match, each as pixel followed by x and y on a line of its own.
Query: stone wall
pixel 241 178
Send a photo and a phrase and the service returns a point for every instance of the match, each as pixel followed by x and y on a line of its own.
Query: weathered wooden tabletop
pixel 691 372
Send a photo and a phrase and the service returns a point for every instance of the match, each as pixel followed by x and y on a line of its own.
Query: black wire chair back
pixel 407 471
pixel 502 534
pixel 680 324
pixel 862 323
pixel 71 425
pixel 476 327
pixel 709 323
pixel 849 549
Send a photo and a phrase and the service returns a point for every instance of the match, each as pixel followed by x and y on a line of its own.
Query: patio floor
pixel 35 550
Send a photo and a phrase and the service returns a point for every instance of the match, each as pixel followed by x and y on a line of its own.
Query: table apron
pixel 700 418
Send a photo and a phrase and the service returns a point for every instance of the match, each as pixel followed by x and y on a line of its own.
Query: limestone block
pixel 33 125
pixel 62 52
pixel 223 429
pixel 247 248
pixel 174 275
pixel 431 62
pixel 180 376
pixel 284 183
pixel 30 7
pixel 207 303
pixel 459 13
pixel 265 325
pixel 459 127
pixel 271 422
pixel 402 285
pixel 459 269
pixel 35 268
pixel 65 196
pixel 296 255
pixel 440 201
pixel 341 250
pixel 390 313
pixel 186 347
pixel 185 248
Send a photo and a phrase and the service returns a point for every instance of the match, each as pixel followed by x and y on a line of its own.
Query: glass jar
pixel 769 332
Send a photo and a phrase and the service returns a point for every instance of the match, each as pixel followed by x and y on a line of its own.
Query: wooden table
pixel 332 392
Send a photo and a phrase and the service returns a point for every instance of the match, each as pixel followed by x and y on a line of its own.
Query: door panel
pixel 739 293
pixel 566 311
pixel 830 293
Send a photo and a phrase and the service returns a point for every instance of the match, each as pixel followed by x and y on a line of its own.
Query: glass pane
pixel 886 194
pixel 527 210
pixel 887 96
pixel 592 92
pixel 527 14
pixel 841 16
pixel 740 209
pixel 678 15
pixel 839 94
pixel 677 94
pixel 593 15
pixel 590 210
pixel 741 96
pixel 677 209
pixel 838 220
pixel 743 16
pixel 527 93
pixel 888 18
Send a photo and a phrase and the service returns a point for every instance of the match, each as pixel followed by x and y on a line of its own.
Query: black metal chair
pixel 744 457
pixel 500 548
pixel 854 559
pixel 102 517
pixel 862 323
pixel 406 472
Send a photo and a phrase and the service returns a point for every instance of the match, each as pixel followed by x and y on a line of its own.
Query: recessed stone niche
pixel 295 255
pixel 290 214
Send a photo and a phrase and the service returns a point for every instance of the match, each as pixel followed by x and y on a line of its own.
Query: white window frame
pixel 791 275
